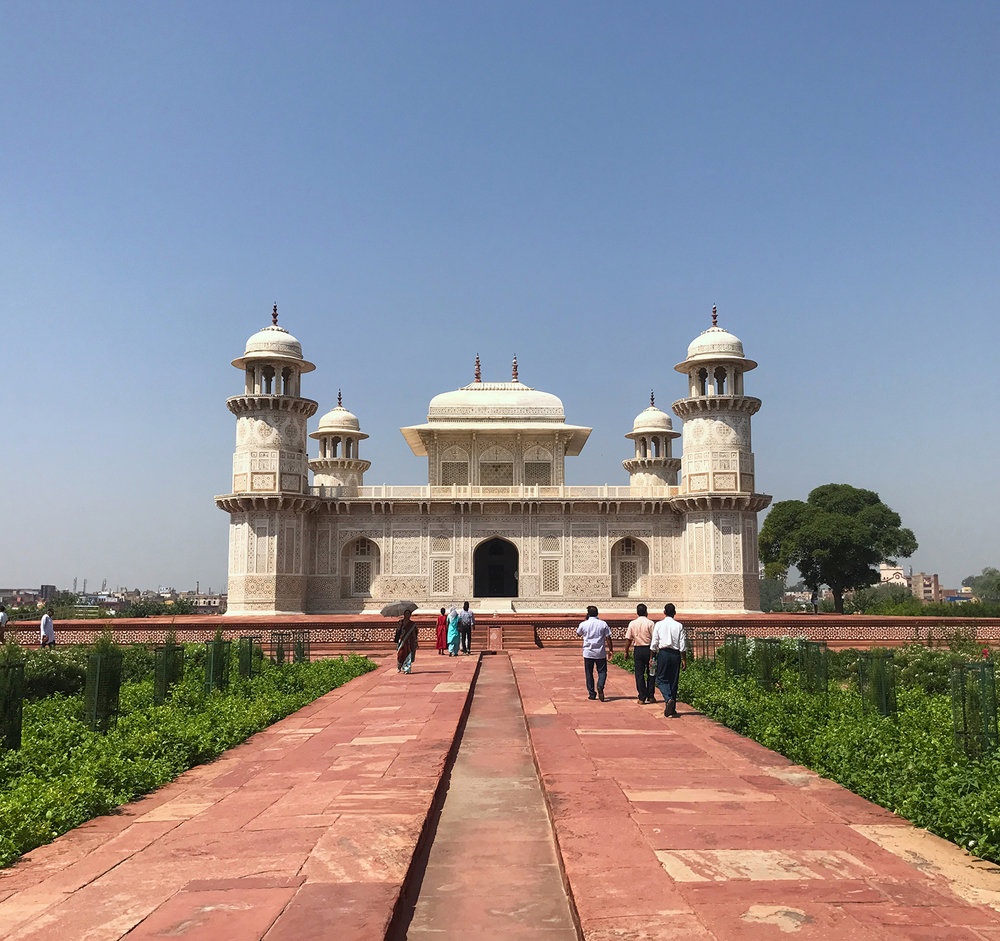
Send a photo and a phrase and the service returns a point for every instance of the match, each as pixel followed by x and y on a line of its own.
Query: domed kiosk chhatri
pixel 496 523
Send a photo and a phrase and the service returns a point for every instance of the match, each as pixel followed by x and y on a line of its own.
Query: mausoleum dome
pixel 496 401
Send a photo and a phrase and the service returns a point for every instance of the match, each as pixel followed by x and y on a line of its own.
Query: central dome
pixel 496 401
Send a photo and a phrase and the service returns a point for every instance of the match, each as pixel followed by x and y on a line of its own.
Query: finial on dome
pixel 715 316
pixel 340 400
pixel 513 376
pixel 274 315
pixel 652 399
pixel 479 370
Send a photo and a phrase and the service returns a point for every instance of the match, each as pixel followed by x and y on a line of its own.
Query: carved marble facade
pixel 495 524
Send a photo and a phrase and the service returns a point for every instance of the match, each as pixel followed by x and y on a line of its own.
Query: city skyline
pixel 575 184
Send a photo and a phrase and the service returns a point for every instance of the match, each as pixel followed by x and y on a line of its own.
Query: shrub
pixel 65 774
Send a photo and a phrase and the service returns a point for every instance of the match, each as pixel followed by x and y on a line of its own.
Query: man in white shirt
pixel 597 647
pixel 48 631
pixel 466 621
pixel 640 633
pixel 669 646
pixel 3 623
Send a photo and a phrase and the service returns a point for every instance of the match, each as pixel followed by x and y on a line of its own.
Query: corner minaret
pixel 338 471
pixel 268 551
pixel 717 495
pixel 653 464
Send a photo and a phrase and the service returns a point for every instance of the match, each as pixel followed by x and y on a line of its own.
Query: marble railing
pixel 389 491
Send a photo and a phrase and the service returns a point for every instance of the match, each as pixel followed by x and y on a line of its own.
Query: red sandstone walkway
pixel 310 829
pixel 305 831
pixel 681 826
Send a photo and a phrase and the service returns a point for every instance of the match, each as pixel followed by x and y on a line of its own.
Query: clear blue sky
pixel 413 183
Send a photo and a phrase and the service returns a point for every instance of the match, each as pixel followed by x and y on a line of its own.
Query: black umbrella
pixel 398 608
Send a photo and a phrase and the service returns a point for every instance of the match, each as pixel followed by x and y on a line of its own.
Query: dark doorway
pixel 494 569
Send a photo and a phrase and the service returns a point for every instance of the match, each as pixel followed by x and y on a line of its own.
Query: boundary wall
pixel 366 633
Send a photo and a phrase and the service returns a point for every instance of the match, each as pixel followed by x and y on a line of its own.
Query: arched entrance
pixel 494 569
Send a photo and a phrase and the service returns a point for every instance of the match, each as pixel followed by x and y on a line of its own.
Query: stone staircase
pixel 519 636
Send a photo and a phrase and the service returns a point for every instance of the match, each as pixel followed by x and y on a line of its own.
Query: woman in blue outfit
pixel 454 635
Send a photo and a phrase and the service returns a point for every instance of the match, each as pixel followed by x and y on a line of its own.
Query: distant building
pixel 919 584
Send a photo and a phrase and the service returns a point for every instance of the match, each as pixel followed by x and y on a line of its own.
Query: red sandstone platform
pixel 311 829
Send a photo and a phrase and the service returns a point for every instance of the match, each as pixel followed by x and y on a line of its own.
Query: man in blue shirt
pixel 597 647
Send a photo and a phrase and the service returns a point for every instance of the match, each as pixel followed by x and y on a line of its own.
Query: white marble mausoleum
pixel 495 523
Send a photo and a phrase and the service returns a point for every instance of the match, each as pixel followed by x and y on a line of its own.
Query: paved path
pixel 305 831
pixel 320 828
pixel 681 825
pixel 493 870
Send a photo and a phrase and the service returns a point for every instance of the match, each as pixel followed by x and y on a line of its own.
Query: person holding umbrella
pixel 406 633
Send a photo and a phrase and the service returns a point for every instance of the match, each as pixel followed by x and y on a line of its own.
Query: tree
pixel 837 538
pixel 772 592
pixel 985 587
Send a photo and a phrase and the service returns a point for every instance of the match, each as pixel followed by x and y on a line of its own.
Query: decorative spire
pixel 479 370
pixel 274 315
pixel 513 376
pixel 715 316
pixel 652 399
pixel 340 400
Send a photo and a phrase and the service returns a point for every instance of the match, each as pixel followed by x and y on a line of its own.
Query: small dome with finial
pixel 652 420
pixel 273 342
pixel 339 419
pixel 715 344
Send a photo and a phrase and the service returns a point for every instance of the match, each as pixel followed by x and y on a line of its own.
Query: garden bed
pixel 65 773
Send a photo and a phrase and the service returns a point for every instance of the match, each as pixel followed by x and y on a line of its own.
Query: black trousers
pixel 465 634
pixel 668 672
pixel 645 682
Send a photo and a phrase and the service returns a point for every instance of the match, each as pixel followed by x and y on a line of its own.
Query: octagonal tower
pixel 717 495
pixel 270 497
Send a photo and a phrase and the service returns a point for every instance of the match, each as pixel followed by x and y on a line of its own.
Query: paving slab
pixel 681 826
pixel 306 830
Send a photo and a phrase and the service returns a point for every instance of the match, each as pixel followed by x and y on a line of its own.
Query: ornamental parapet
pixel 241 502
pixel 634 464
pixel 707 404
pixel 244 404
pixel 320 464
pixel 751 502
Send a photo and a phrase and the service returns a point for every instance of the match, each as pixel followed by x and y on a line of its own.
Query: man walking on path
pixel 466 619
pixel 597 647
pixel 639 633
pixel 48 631
pixel 3 623
pixel 669 646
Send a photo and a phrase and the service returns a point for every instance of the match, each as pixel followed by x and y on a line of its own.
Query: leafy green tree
pixel 772 591
pixel 837 538
pixel 986 587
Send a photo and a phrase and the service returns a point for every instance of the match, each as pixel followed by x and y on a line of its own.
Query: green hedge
pixel 908 764
pixel 65 774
